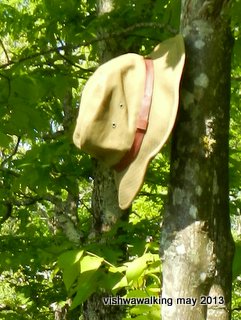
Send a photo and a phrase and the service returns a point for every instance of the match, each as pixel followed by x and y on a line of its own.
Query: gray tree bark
pixel 105 208
pixel 197 246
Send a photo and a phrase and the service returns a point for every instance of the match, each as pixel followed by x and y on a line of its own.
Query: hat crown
pixel 109 107
pixel 109 110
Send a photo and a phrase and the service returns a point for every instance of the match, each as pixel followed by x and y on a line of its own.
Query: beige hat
pixel 127 111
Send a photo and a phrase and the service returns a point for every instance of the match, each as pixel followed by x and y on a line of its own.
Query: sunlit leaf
pixel 136 267
pixel 88 263
pixel 122 283
pixel 87 285
pixel 69 263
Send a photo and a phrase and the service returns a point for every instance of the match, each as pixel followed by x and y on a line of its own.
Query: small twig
pixel 9 172
pixel 5 51
pixel 236 78
pixel 86 207
pixel 73 63
pixel 15 150
pixel 54 135
pixel 236 308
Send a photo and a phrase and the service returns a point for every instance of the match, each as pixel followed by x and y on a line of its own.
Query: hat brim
pixel 168 59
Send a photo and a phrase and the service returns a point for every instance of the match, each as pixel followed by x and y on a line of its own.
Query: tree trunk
pixel 197 245
pixel 105 208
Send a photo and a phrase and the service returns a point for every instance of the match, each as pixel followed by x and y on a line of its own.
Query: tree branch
pixel 32 56
pixel 65 212
pixel 106 36
pixel 15 150
pixel 5 51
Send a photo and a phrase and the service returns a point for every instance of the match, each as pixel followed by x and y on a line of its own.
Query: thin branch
pixel 86 207
pixel 106 36
pixel 15 150
pixel 26 202
pixel 151 195
pixel 32 56
pixel 54 135
pixel 140 25
pixel 5 51
pixel 236 78
pixel 73 63
pixel 238 308
pixel 10 172
pixel 31 200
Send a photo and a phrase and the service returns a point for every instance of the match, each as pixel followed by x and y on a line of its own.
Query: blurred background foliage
pixel 48 263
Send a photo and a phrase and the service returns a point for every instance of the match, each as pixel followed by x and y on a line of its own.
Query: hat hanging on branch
pixel 127 111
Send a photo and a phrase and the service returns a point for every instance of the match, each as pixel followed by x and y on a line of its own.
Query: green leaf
pixel 137 267
pixel 140 309
pixel 61 85
pixel 69 263
pixel 146 312
pixel 70 257
pixel 155 312
pixel 5 140
pixel 24 88
pixel 137 318
pixel 121 284
pixel 108 280
pixel 87 285
pixel 235 11
pixel 154 289
pixel 136 294
pixel 89 263
pixel 237 260
pixel 114 269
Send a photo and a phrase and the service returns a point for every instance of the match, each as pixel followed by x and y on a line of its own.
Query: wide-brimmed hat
pixel 127 111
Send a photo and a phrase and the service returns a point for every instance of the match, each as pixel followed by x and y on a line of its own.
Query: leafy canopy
pixel 48 49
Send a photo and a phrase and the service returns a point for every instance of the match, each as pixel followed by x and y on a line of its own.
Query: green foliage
pixel 27 257
pixel 85 273
pixel 48 49
pixel 237 260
